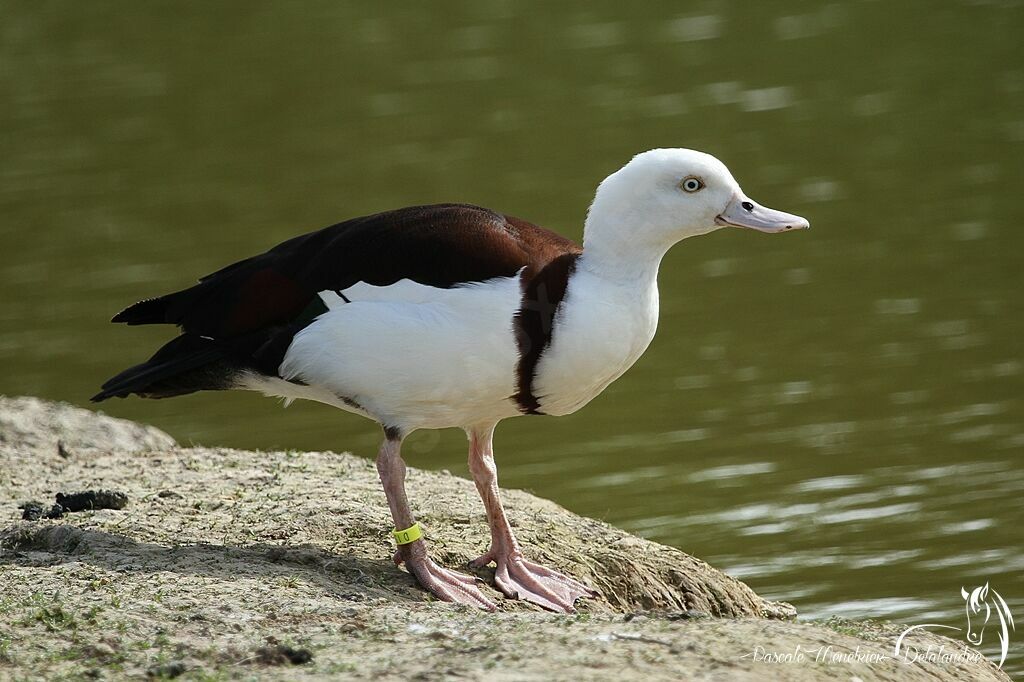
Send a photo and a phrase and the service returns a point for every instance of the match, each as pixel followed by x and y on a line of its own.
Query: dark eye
pixel 691 184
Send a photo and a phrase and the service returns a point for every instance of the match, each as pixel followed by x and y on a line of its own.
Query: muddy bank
pixel 227 563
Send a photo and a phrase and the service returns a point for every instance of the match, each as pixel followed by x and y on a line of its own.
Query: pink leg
pixel 444 584
pixel 516 577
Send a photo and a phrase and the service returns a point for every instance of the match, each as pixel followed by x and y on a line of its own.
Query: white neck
pixel 610 317
pixel 613 251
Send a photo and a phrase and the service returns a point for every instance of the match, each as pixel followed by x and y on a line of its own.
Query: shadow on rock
pixel 346 577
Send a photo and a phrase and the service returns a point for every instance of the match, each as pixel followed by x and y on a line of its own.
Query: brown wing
pixel 441 245
pixel 246 314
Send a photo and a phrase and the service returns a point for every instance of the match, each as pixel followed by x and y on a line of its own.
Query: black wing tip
pixel 114 388
pixel 148 311
pixel 110 389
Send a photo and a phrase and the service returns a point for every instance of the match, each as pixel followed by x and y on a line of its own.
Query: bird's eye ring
pixel 691 184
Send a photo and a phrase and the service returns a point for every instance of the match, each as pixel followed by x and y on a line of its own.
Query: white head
pixel 665 195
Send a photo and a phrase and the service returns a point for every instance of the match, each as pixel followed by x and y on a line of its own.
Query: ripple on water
pixel 713 351
pixel 820 189
pixel 976 434
pixel 797 26
pixel 884 558
pixel 970 412
pixel 827 556
pixel 907 489
pixel 696 381
pixel 686 435
pixel 758 512
pixel 722 92
pixel 619 478
pixel 1013 442
pixel 719 267
pixel 767 99
pixel 872 104
pixel 1015 131
pixel 947 328
pixel 898 352
pixel 654 440
pixel 732 471
pixel 652 525
pixel 909 397
pixel 471 38
pixel 714 415
pixel 831 483
pixel 798 276
pixel 898 306
pixel 372 32
pixel 869 513
pixel 887 607
pixel 670 104
pixel 824 435
pixel 862 498
pixel 966 526
pixel 692 28
pixel 963 341
pixel 793 392
pixel 969 231
pixel 388 103
pixel 1009 368
pixel 768 529
pixel 462 69
pixel 979 561
pixel 747 374
pixel 591 36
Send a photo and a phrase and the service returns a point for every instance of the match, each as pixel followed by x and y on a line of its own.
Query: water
pixel 834 416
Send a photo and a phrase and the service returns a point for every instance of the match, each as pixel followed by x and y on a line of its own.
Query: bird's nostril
pixel 747 206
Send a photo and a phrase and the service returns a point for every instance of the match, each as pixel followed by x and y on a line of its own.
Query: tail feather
pixel 186 364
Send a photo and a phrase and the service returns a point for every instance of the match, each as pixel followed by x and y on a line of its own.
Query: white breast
pixel 602 327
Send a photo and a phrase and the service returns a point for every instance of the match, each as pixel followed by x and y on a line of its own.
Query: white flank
pixel 411 355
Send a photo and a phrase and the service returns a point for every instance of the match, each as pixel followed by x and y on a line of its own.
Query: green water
pixel 833 416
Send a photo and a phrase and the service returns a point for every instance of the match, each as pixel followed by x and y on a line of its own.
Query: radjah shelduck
pixel 449 315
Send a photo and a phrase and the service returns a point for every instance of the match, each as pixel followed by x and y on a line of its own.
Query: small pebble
pixel 280 654
pixel 92 499
pixel 31 511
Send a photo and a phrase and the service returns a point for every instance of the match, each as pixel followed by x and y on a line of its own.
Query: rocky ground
pixel 226 564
